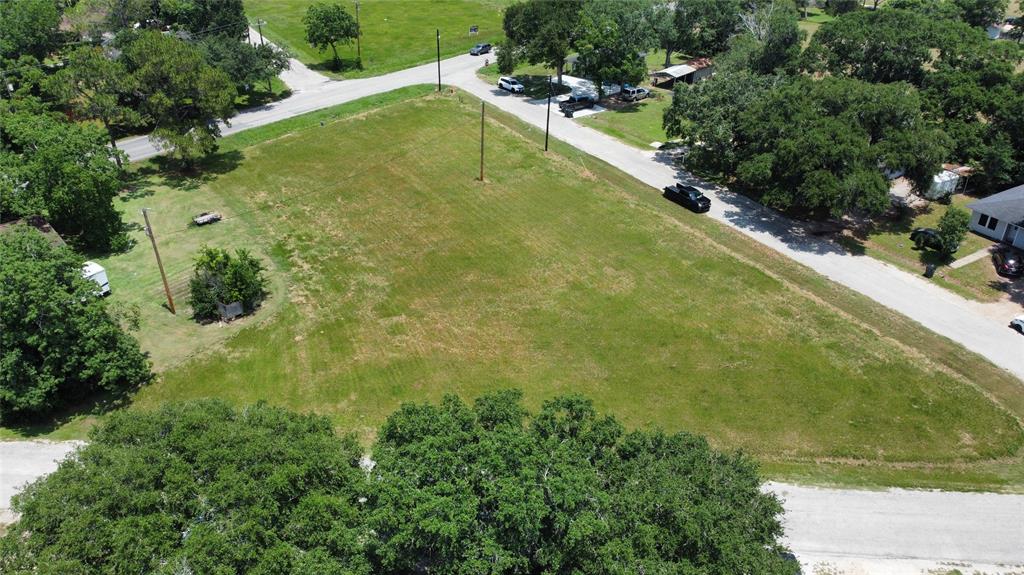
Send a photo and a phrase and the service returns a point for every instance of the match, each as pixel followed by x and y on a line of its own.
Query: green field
pixel 397 34
pixel 397 276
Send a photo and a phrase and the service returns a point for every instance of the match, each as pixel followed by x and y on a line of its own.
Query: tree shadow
pixel 174 172
pixel 343 65
pixel 97 404
pixel 1014 289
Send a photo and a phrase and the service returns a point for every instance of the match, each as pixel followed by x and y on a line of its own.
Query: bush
pixel 953 226
pixel 219 277
pixel 59 343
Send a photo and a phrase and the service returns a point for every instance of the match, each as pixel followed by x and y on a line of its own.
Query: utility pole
pixel 481 141
pixel 160 264
pixel 547 125
pixel 359 32
pixel 438 60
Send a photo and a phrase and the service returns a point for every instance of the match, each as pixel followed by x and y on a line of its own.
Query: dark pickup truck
pixel 576 102
pixel 688 197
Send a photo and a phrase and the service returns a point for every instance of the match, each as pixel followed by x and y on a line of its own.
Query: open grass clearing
pixel 404 279
pixel 889 240
pixel 396 34
pixel 636 123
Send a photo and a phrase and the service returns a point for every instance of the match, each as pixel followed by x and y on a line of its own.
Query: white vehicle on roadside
pixel 1017 323
pixel 510 84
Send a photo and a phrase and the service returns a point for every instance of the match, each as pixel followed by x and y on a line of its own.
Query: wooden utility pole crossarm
pixel 160 264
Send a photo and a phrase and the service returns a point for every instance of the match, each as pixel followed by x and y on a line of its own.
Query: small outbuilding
pixel 690 72
pixel 1000 216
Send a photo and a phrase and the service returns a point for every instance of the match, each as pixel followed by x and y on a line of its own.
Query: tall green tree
pixel 875 46
pixel 197 487
pixel 245 64
pixel 67 172
pixel 705 26
pixel 705 116
pixel 662 19
pixel 614 35
pixel 817 147
pixel 772 35
pixel 179 93
pixel 58 342
pixel 490 488
pixel 28 28
pixel 205 17
pixel 94 86
pixel 546 32
pixel 327 25
pixel 953 227
pixel 982 13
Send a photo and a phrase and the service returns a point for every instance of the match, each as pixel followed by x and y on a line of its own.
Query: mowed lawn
pixel 397 34
pixel 636 123
pixel 408 279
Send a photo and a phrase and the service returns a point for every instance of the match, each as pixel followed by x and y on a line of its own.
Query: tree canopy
pixel 58 341
pixel 179 93
pixel 244 63
pixel 29 28
pixel 67 172
pixel 612 38
pixel 95 87
pixel 327 25
pixel 486 488
pixel 703 27
pixel 544 32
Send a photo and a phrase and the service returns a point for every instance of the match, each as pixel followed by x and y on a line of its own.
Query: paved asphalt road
pixel 894 531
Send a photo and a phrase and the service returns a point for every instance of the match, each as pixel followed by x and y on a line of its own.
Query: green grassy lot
pixel 889 241
pixel 636 123
pixel 815 18
pixel 396 34
pixel 400 277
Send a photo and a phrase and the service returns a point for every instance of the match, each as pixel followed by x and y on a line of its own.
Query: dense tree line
pixel 902 88
pixel 59 342
pixel 455 488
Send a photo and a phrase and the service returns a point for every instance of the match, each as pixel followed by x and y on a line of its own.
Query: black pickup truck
pixel 576 102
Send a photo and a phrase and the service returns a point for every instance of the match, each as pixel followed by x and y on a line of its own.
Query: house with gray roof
pixel 1000 217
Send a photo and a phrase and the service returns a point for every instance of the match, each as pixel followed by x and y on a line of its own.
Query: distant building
pixel 1000 30
pixel 1000 216
pixel 690 72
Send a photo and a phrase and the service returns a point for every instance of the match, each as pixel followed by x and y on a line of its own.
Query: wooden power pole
pixel 160 264
pixel 481 141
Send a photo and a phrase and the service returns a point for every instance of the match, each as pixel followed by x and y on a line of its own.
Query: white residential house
pixel 1000 216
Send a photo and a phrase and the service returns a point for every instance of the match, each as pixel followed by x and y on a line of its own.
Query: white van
pixel 95 272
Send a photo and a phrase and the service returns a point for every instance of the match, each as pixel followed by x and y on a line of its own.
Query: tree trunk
pixel 668 57
pixel 337 62
pixel 113 142
pixel 561 65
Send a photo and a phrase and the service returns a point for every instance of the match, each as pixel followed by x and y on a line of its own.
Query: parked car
pixel 1017 323
pixel 1008 262
pixel 926 238
pixel 633 93
pixel 480 49
pixel 688 197
pixel 510 84
pixel 576 102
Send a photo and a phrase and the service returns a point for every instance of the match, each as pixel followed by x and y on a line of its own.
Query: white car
pixel 1017 323
pixel 510 84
